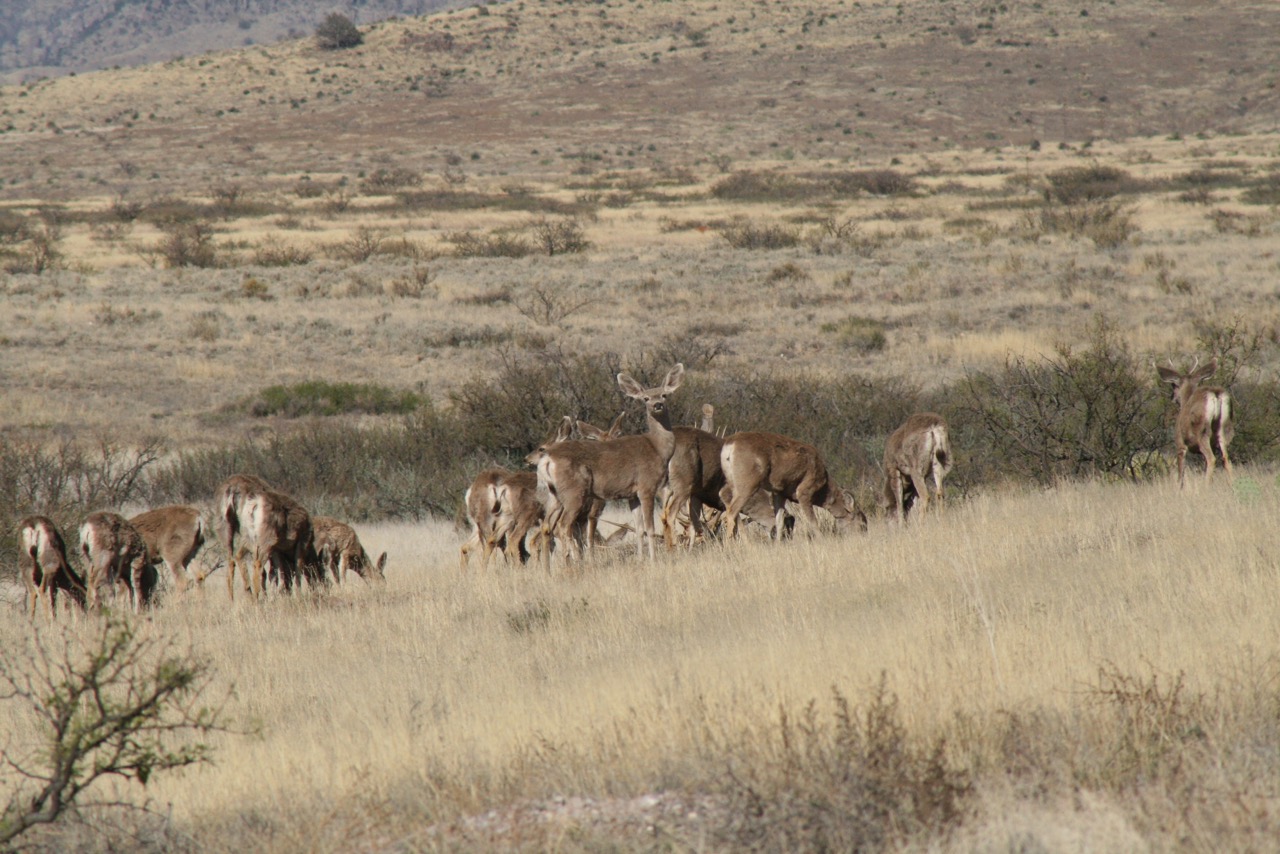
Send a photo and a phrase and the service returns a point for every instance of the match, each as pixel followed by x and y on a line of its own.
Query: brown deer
pixel 630 467
pixel 280 530
pixel 502 518
pixel 173 534
pixel 339 550
pixel 115 555
pixel 44 565
pixel 788 470
pixel 914 453
pixel 228 505
pixel 1204 417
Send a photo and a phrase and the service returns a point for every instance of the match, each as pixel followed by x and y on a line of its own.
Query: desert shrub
pixel 113 703
pixel 65 481
pixel 361 245
pixel 748 235
pixel 337 32
pixel 853 781
pixel 320 397
pixel 1070 415
pixel 877 182
pixel 384 181
pixel 185 244
pixel 38 249
pixel 1078 184
pixel 469 244
pixel 559 236
pixel 1108 224
pixel 1234 222
pixel 275 252
pixel 1265 191
pixel 860 334
pixel 750 186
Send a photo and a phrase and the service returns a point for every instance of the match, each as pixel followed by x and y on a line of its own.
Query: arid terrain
pixel 908 196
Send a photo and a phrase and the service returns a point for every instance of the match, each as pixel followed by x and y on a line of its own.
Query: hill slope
pixel 52 37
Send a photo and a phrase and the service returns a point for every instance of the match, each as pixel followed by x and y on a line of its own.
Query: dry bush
pixel 383 182
pixel 749 235
pixel 274 251
pixel 1080 184
pixel 856 782
pixel 184 244
pixel 1108 224
pixel 496 244
pixel 560 236
pixel 860 334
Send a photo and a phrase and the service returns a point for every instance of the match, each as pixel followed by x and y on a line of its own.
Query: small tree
pixel 113 705
pixel 336 32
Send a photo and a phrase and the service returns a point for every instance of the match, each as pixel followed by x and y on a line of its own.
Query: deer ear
pixel 629 386
pixel 1208 370
pixel 615 429
pixel 674 378
pixel 382 562
pixel 1169 375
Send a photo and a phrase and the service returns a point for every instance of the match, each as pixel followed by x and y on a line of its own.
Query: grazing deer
pixel 44 565
pixel 116 555
pixel 280 530
pixel 501 518
pixel 789 471
pixel 339 550
pixel 173 534
pixel 915 452
pixel 1204 417
pixel 229 504
pixel 630 467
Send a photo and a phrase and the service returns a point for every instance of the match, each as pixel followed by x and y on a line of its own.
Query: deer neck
pixel 660 434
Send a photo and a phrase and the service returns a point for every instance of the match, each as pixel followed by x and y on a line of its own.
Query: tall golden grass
pixel 1038 632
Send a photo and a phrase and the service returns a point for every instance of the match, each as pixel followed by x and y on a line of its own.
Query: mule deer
pixel 44 565
pixel 630 467
pixel 116 555
pixel 339 550
pixel 280 530
pixel 173 534
pixel 1204 417
pixel 229 505
pixel 788 470
pixel 501 518
pixel 914 453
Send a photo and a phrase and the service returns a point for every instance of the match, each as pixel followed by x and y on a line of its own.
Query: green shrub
pixel 337 32
pixel 319 397
pixel 860 334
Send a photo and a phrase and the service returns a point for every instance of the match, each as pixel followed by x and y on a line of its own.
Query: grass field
pixel 1098 658
pixel 897 193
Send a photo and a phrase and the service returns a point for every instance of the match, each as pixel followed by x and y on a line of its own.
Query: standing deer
pixel 915 452
pixel 116 555
pixel 173 534
pixel 339 550
pixel 788 470
pixel 44 565
pixel 280 530
pixel 630 467
pixel 229 504
pixel 1204 417
pixel 501 518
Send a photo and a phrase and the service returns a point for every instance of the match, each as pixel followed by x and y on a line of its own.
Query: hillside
pixel 47 38
pixel 530 88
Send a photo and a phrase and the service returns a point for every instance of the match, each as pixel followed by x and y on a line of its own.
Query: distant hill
pixel 47 38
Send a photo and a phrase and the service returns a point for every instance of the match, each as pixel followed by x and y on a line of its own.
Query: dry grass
pixel 447 694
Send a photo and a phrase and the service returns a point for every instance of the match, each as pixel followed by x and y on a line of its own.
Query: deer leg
pixel 695 520
pixel 1182 462
pixel 921 487
pixel 896 496
pixel 644 526
pixel 1206 451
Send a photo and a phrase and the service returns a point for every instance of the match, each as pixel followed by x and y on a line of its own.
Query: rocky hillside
pixel 51 37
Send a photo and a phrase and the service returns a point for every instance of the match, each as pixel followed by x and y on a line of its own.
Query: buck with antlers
pixel 116 555
pixel 173 534
pixel 915 452
pixel 788 470
pixel 339 550
pixel 1204 416
pixel 44 565
pixel 630 467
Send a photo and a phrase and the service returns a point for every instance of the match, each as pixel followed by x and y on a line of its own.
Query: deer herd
pixel 703 481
